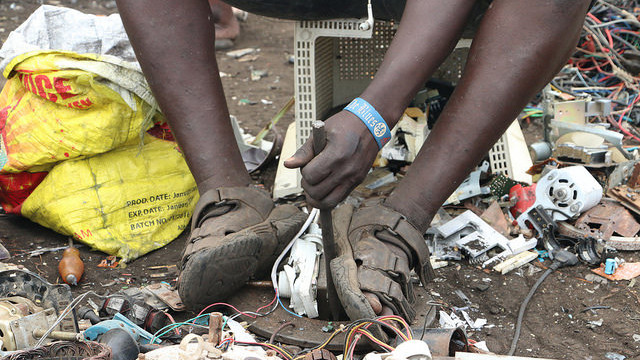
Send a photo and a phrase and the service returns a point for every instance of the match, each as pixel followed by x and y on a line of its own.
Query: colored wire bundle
pixel 606 64
pixel 360 328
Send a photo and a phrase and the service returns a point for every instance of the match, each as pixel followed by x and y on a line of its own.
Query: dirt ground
pixel 555 326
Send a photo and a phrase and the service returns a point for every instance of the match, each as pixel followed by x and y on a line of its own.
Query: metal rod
pixel 57 335
pixel 326 223
pixel 215 328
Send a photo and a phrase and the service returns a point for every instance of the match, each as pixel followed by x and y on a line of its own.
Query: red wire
pixel 598 67
pixel 173 322
pixel 225 304
pixel 594 18
pixel 269 304
pixel 605 78
pixel 627 109
pixel 624 131
pixel 609 38
pixel 625 31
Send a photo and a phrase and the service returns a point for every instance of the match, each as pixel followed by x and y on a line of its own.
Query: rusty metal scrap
pixel 615 242
pixel 606 219
pixel 584 154
pixel 634 180
pixel 627 196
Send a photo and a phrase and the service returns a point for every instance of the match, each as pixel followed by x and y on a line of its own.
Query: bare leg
pixel 174 44
pixel 227 26
pixel 519 47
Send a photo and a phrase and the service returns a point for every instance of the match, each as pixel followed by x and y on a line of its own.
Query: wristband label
pixel 372 119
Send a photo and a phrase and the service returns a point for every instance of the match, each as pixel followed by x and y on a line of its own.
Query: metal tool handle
pixel 326 223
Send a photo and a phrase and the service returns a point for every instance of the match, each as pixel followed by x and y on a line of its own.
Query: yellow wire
pixel 333 335
pixel 376 340
pixel 348 338
pixel 285 352
pixel 399 319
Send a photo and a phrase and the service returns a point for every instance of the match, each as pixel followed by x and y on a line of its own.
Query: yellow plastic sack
pixel 51 110
pixel 126 202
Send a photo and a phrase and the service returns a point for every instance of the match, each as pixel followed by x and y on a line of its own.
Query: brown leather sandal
pixel 235 233
pixel 366 264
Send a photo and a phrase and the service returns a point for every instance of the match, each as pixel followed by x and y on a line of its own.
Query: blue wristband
pixel 372 119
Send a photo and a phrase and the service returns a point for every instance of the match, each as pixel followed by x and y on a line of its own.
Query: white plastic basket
pixel 510 155
pixel 335 61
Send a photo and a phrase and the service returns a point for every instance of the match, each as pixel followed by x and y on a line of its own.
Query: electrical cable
pixel 562 258
pixel 523 308
pixel 280 328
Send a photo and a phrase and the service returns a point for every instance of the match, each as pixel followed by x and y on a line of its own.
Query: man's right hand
pixel 329 177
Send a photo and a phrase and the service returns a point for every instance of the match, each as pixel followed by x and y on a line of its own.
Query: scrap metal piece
pixel 623 172
pixel 576 111
pixel 634 179
pixel 442 342
pixel 320 354
pixel 614 138
pixel 470 187
pixel 628 197
pixel 22 329
pixel 167 295
pixel 4 253
pixel 475 237
pixel 615 242
pixel 215 328
pixel 540 150
pixel 584 154
pixel 546 227
pixel 607 218
pixel 65 350
pixel 15 281
pixel 624 243
pixel 326 222
pixel 13 309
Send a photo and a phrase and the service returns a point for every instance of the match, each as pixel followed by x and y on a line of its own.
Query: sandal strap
pixel 387 290
pixel 252 197
pixel 373 254
pixel 382 217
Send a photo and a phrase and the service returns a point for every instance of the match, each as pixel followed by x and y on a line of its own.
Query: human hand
pixel 328 177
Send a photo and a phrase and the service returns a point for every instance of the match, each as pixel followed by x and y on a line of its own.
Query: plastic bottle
pixel 71 266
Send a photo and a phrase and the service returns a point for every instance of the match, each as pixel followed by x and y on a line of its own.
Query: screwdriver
pixel 326 223
pixel 71 266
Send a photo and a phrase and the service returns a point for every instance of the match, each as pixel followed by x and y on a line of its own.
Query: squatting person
pixel 236 230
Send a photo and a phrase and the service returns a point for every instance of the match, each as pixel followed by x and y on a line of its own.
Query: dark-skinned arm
pixel 428 32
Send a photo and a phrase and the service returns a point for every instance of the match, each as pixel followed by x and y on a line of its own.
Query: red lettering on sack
pixel 62 89
pixel 83 234
pixel 27 82
pixel 81 104
pixel 43 83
